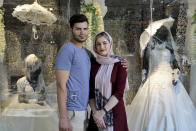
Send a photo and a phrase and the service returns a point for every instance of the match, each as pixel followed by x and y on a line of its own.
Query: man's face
pixel 80 32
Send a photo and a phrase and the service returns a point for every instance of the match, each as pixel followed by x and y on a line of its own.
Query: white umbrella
pixel 34 14
pixel 151 30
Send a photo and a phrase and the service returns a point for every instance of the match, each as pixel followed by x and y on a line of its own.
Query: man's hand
pixel 64 124
pixel 125 64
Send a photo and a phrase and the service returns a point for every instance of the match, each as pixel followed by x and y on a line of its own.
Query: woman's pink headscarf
pixel 102 59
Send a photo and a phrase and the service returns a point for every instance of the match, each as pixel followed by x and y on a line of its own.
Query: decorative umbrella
pixel 151 30
pixel 34 14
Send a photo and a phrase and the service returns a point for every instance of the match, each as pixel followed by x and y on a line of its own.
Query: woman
pixel 108 81
pixel 161 103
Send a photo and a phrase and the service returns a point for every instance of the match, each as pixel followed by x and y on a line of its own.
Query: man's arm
pixel 61 80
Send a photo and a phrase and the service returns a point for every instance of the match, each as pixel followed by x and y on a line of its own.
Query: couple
pixel 75 67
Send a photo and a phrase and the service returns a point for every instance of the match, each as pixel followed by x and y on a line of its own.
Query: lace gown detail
pixel 158 105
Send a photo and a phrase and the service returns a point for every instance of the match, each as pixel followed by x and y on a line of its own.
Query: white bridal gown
pixel 158 105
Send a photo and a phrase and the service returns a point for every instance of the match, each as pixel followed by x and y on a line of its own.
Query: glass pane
pixel 156 37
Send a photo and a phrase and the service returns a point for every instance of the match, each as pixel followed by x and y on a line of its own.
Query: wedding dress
pixel 158 104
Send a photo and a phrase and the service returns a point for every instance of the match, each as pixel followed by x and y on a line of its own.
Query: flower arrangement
pixel 92 11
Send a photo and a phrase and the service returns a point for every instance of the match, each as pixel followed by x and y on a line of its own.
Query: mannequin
pixel 161 103
pixel 31 87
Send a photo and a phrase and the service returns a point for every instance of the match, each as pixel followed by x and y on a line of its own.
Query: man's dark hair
pixel 77 18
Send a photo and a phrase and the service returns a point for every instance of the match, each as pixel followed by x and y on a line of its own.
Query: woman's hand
pixel 98 118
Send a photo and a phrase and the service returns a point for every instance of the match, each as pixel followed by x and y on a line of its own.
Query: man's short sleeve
pixel 64 58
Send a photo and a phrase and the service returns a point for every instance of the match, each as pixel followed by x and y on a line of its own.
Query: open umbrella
pixel 34 14
pixel 151 30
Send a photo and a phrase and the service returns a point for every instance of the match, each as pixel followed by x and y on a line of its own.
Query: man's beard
pixel 78 40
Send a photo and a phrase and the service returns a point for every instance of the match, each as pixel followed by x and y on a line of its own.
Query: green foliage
pixel 89 8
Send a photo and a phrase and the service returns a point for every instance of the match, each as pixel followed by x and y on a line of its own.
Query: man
pixel 72 77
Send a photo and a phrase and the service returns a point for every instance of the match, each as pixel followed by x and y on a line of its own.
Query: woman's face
pixel 102 46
